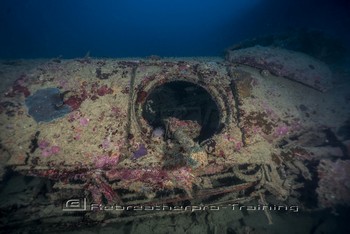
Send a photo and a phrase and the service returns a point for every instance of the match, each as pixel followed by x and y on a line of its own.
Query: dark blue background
pixel 120 28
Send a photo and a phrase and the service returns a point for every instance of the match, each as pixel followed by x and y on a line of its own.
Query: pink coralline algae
pixel 46 153
pixel 281 130
pixel 43 144
pixel 74 101
pixel 46 150
pixel 19 87
pixel 117 112
pixel 238 146
pixel 106 144
pixel 238 143
pixel 63 83
pixel 107 191
pixel 84 121
pixel 103 90
pixel 101 188
pixel 55 149
pixel 73 116
pixel 184 178
pixel 105 161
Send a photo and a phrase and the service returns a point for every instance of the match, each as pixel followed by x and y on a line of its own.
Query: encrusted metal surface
pixel 268 130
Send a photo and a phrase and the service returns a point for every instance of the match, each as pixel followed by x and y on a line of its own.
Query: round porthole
pixel 184 101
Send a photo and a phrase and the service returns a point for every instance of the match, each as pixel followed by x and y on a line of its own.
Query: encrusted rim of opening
pixel 145 88
pixel 184 101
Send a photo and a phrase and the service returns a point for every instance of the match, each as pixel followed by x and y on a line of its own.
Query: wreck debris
pixel 285 63
pixel 266 211
pixel 303 169
pixel 313 42
pixel 168 131
pixel 334 183
pixel 184 132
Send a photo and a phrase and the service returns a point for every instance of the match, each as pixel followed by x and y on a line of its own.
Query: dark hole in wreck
pixel 184 101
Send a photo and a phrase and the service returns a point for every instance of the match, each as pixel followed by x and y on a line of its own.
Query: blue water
pixel 123 28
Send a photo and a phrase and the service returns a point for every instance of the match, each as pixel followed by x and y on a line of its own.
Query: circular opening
pixel 184 101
